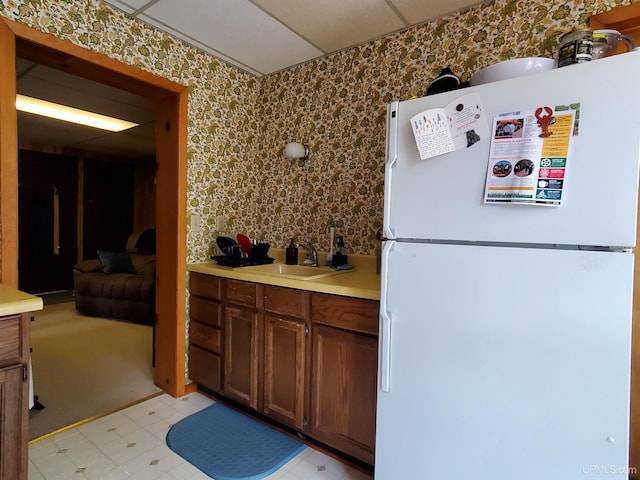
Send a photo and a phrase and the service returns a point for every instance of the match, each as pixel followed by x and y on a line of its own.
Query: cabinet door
pixel 343 403
pixel 241 355
pixel 284 369
pixel 13 406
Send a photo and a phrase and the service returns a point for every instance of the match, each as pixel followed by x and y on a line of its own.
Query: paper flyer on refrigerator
pixel 528 157
pixel 460 124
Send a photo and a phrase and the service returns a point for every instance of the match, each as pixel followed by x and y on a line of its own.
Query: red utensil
pixel 245 243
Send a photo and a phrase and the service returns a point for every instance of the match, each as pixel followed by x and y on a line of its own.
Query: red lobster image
pixel 545 120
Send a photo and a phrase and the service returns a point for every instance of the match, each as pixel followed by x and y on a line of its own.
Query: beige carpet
pixel 86 366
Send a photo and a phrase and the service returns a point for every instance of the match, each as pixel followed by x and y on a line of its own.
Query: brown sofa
pixel 115 287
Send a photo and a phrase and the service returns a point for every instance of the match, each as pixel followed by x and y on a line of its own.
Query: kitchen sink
pixel 296 272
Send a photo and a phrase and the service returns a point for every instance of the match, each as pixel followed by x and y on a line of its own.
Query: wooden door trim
pixel 8 159
pixel 171 157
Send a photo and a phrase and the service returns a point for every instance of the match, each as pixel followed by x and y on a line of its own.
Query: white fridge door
pixel 442 197
pixel 502 363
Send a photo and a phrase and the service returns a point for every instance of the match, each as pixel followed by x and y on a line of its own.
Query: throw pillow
pixel 116 262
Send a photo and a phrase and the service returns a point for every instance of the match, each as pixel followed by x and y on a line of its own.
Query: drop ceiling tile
pixel 60 87
pixel 23 66
pixel 335 24
pixel 106 94
pixel 236 29
pixel 419 11
pixel 35 130
pixel 129 6
pixel 187 38
pixel 52 132
pixel 120 144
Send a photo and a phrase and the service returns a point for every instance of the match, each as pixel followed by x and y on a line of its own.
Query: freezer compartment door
pixel 503 363
pixel 441 198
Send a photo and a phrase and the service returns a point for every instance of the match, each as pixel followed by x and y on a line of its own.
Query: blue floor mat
pixel 227 445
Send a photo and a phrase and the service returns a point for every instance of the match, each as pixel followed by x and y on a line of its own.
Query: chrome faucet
pixel 312 253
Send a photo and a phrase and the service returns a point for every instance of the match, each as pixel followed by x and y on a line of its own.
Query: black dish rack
pixel 240 262
pixel 258 256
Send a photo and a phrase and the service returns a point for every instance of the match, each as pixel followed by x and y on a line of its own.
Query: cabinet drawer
pixel 10 351
pixel 354 314
pixel 205 336
pixel 243 293
pixel 286 301
pixel 205 368
pixel 205 285
pixel 205 311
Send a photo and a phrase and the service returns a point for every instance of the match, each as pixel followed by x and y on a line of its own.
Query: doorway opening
pixel 81 190
pixel 170 99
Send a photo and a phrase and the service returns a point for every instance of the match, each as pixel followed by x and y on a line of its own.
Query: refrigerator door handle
pixel 391 160
pixel 385 322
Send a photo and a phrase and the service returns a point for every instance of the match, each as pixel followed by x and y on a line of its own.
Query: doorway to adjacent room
pixel 171 102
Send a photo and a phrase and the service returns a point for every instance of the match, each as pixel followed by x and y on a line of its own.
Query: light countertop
pixel 14 301
pixel 361 282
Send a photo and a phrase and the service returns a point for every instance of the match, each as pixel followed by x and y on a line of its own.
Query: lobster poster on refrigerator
pixel 528 156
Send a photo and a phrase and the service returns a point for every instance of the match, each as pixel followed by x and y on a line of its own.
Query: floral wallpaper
pixel 239 124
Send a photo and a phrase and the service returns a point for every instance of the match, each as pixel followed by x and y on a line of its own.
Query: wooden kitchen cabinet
pixel 344 373
pixel 306 360
pixel 242 341
pixel 14 396
pixel 285 355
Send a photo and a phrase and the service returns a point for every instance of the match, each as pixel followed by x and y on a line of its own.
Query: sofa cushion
pixel 117 286
pixel 144 264
pixel 87 266
pixel 116 262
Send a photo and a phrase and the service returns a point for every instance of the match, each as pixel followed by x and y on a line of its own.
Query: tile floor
pixel 130 444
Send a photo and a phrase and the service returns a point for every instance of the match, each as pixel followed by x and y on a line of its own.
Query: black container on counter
pixel 291 255
pixel 340 257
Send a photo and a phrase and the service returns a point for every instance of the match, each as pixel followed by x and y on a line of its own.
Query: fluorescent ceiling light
pixel 69 114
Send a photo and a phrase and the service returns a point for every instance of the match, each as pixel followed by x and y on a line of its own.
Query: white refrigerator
pixel 505 329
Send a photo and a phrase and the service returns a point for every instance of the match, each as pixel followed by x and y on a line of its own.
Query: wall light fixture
pixel 297 151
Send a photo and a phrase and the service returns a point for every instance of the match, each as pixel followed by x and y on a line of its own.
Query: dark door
pixel 47 221
pixel 108 206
